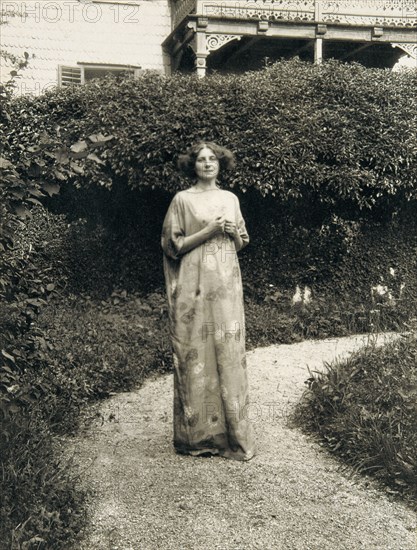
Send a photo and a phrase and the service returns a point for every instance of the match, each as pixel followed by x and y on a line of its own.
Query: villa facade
pixel 72 41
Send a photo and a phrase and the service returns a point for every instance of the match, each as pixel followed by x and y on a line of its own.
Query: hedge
pixel 333 139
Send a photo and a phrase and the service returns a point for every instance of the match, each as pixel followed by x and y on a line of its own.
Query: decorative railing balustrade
pixel 386 13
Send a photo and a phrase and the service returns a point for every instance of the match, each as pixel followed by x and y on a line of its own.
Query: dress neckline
pixel 203 191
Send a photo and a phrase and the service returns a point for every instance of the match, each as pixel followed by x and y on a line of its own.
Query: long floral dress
pixel 205 302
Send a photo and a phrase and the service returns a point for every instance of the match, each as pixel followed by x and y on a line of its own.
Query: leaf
pixel 8 356
pixel 18 194
pixel 99 138
pixel 51 189
pixel 7 369
pixel 78 169
pixel 61 156
pixel 35 192
pixel 93 156
pixel 81 155
pixel 4 163
pixel 79 147
pixel 59 175
pixel 35 201
pixel 22 212
pixel 36 303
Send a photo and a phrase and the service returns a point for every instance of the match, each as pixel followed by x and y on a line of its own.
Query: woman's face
pixel 206 165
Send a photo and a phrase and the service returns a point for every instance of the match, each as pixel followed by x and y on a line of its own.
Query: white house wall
pixel 67 32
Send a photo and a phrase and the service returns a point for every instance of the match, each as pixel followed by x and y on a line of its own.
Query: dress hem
pixel 223 453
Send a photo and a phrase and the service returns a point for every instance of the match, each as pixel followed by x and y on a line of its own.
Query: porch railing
pixel 386 13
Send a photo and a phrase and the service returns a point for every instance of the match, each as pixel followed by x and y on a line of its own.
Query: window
pixel 68 76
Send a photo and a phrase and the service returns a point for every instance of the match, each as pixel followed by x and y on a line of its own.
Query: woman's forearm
pixel 195 240
pixel 192 241
pixel 239 244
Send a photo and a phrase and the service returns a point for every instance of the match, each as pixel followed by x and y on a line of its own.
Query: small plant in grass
pixel 364 409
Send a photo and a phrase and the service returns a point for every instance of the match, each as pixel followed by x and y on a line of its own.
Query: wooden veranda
pixel 236 35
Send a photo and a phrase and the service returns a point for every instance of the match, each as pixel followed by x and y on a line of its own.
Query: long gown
pixel 207 328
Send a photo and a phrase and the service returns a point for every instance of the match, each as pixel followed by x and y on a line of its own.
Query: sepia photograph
pixel 208 275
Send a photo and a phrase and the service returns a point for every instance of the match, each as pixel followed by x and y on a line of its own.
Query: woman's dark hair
pixel 186 162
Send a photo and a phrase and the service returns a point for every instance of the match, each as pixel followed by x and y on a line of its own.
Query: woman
pixel 202 231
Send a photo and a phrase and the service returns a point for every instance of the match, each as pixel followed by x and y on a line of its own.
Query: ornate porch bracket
pixel 204 43
pixel 216 41
pixel 409 48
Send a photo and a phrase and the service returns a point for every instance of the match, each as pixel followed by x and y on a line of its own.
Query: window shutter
pixel 69 76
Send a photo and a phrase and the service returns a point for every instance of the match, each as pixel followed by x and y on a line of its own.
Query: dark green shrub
pixel 40 507
pixel 92 348
pixel 323 152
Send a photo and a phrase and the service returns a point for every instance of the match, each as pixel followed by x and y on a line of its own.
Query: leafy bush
pixel 333 139
pixel 38 496
pixel 93 348
pixel 323 153
pixel 364 410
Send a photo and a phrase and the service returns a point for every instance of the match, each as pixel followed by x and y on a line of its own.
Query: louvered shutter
pixel 69 76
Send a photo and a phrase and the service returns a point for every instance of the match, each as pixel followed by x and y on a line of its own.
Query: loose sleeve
pixel 240 224
pixel 173 230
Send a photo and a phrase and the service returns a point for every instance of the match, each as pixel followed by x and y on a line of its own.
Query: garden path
pixel 292 496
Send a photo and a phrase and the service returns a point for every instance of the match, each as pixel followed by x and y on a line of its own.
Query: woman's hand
pixel 231 229
pixel 216 225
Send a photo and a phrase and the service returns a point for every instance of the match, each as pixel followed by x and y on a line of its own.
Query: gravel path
pixel 292 495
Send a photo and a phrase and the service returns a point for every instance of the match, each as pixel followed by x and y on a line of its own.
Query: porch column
pixel 320 31
pixel 201 52
pixel 318 50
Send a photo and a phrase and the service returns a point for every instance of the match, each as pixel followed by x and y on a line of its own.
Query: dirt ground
pixel 292 496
